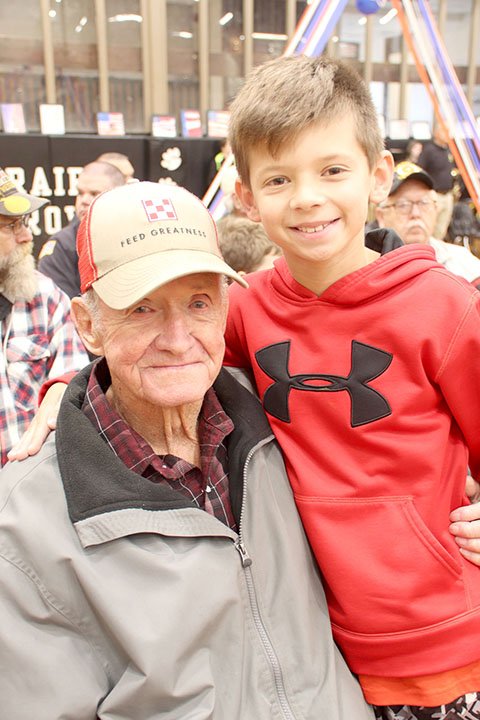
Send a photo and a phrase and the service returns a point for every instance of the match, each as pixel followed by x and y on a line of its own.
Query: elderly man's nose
pixel 174 334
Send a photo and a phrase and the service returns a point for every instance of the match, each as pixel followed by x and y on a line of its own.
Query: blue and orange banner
pixel 436 71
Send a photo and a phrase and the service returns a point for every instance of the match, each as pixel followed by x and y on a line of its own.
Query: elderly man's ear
pixel 83 320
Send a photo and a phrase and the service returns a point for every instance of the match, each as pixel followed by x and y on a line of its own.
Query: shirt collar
pixel 131 448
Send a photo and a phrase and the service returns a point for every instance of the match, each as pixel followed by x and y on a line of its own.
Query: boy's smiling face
pixel 312 199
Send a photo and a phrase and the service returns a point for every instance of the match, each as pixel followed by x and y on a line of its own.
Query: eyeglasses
pixel 16 226
pixel 405 207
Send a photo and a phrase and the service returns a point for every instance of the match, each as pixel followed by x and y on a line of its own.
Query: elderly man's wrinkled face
pixel 167 349
pixel 411 212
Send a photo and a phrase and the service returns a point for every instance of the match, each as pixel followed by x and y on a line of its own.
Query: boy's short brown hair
pixel 244 243
pixel 284 96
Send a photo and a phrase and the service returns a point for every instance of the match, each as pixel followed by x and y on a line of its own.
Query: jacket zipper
pixel 257 618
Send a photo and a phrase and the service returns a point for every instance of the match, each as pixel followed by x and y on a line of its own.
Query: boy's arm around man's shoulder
pixel 236 347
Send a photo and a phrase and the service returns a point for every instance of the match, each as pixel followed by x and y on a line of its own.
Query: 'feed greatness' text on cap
pixel 139 236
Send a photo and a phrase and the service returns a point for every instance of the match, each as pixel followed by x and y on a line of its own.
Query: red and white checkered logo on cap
pixel 162 210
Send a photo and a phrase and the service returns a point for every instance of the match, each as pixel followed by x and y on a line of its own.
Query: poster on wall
pixel 52 119
pixel 421 130
pixel 398 129
pixel 13 118
pixel 217 123
pixel 110 123
pixel 191 123
pixel 164 126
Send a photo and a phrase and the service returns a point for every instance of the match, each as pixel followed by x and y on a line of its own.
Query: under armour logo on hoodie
pixel 367 364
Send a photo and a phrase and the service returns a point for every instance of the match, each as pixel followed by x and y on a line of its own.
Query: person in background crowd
pixel 436 159
pixel 121 162
pixel 38 339
pixel 231 201
pixel 58 257
pixel 245 245
pixel 413 150
pixel 218 159
pixel 411 210
pixel 221 156
pixel 152 561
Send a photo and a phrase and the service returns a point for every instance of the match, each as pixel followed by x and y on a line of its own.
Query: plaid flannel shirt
pixel 39 341
pixel 206 488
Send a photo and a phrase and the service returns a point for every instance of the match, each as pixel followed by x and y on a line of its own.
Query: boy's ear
pixel 382 178
pixel 247 200
pixel 85 327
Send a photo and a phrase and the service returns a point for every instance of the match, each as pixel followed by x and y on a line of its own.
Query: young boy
pixel 367 366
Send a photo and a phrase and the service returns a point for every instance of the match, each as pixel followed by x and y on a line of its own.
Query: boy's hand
pixel 42 424
pixel 465 525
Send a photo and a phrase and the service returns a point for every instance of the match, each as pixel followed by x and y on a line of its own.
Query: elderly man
pixel 411 210
pixel 38 338
pixel 58 257
pixel 152 562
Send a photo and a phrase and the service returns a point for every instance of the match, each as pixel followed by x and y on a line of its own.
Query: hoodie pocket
pixel 384 570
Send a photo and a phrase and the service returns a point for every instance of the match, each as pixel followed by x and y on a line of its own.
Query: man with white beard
pixel 38 338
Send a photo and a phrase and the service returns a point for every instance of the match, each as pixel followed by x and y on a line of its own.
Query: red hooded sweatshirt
pixel 373 391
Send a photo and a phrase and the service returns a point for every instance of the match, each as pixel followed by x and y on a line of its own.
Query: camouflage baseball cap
pixel 15 201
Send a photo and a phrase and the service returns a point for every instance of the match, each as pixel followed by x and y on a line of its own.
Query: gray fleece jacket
pixel 121 600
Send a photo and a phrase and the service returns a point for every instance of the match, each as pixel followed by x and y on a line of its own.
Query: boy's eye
pixel 277 181
pixel 334 170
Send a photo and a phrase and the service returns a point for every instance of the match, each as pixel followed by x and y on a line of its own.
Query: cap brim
pixel 129 283
pixel 420 176
pixel 19 204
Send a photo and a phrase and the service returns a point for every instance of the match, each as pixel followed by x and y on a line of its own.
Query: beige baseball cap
pixel 14 201
pixel 137 237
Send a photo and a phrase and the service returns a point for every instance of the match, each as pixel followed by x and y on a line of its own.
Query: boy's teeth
pixel 313 229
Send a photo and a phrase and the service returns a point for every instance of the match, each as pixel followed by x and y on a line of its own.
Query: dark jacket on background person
pixel 437 161
pixel 58 259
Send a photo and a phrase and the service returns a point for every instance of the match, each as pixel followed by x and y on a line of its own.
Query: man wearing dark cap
pixel 411 210
pixel 37 335
pixel 172 578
